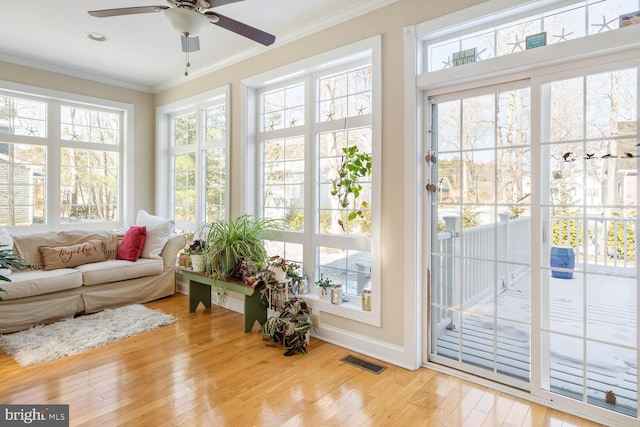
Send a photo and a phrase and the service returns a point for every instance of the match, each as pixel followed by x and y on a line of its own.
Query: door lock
pixel 430 158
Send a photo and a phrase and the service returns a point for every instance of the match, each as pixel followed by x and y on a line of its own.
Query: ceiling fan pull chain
pixel 186 72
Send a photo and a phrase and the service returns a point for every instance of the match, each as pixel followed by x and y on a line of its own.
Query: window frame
pixel 309 69
pixel 54 144
pixel 165 200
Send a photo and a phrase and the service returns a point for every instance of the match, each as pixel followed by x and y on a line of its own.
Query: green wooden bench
pixel 200 292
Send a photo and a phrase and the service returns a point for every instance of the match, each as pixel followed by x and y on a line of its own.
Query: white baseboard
pixel 390 353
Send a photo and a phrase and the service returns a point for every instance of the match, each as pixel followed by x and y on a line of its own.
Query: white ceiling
pixel 143 51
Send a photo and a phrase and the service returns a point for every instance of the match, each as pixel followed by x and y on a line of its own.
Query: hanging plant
pixel 355 167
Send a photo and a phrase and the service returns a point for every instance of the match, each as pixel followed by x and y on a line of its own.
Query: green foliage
pixel 10 260
pixel 355 166
pixel 568 232
pixel 469 217
pixel 230 242
pixel 295 219
pixel 290 327
pixel 323 282
pixel 515 211
pixel 622 240
pixel 196 248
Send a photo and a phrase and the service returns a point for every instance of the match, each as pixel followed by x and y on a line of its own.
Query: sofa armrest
pixel 171 249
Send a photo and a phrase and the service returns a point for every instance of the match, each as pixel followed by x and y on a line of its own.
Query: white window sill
pixel 351 309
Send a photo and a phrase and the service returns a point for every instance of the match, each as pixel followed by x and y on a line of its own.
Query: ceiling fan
pixel 189 17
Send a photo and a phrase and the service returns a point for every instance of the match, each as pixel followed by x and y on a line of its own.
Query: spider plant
pixel 229 242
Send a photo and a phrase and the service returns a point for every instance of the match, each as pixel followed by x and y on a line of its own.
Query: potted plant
pixel 355 166
pixel 296 275
pixel 324 286
pixel 278 268
pixel 291 327
pixel 9 260
pixel 229 242
pixel 196 254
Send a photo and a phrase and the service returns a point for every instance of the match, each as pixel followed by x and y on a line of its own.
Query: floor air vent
pixel 363 364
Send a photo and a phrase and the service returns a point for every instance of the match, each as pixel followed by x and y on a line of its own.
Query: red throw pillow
pixel 132 243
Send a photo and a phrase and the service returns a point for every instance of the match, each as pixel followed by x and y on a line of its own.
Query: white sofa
pixel 38 295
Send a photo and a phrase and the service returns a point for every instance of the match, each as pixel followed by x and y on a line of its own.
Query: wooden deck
pixel 611 317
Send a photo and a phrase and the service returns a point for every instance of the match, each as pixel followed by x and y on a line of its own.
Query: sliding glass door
pixel 532 204
pixel 589 206
pixel 480 169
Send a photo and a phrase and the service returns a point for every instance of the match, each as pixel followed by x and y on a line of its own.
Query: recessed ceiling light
pixel 97 37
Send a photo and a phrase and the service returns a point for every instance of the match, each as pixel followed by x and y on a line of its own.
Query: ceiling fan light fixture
pixel 186 21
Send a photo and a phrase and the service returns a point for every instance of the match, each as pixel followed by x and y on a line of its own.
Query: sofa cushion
pixel 132 244
pixel 28 246
pixel 117 270
pixel 37 282
pixel 55 257
pixel 158 232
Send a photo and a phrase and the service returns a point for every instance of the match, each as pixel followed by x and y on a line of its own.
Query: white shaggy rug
pixel 44 343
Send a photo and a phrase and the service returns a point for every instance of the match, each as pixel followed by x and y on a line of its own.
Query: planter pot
pixel 278 274
pixel 323 292
pixel 184 260
pixel 562 257
pixel 197 263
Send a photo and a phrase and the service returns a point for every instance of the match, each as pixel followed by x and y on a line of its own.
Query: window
pixel 194 133
pixel 559 24
pixel 316 147
pixel 60 162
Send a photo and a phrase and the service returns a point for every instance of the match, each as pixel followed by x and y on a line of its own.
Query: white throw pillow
pixel 159 231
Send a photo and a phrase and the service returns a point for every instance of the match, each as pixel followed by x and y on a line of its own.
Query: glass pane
pixel 184 130
pixel 81 124
pixel 22 184
pixel 566 110
pixel 88 185
pixel 350 268
pixel 345 95
pixel 23 117
pixel 449 126
pixel 215 122
pixel 479 176
pixel 478 118
pixel 566 365
pixel 284 108
pixel 283 180
pixel 215 181
pixel 513 179
pixel 605 362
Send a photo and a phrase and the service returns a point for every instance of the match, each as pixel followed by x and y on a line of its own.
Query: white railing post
pixel 450 273
pixel 504 250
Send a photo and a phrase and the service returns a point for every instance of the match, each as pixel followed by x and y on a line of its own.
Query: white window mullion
pixel 311 203
pixel 53 164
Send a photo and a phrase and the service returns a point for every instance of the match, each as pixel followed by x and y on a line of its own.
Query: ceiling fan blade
pixel 217 3
pixel 126 11
pixel 243 29
pixel 190 44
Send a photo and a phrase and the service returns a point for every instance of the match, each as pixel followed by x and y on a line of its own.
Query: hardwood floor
pixel 204 371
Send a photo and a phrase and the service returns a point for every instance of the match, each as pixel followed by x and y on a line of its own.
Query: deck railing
pixel 610 243
pixel 597 241
pixel 458 288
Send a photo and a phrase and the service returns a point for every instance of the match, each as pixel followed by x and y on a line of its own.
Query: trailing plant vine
pixel 355 166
